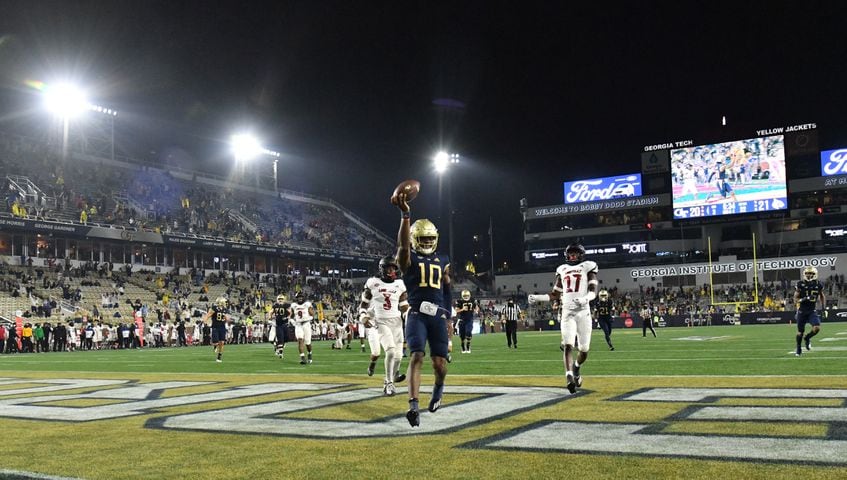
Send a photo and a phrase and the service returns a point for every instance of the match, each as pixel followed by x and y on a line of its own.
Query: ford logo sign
pixel 603 188
pixel 834 162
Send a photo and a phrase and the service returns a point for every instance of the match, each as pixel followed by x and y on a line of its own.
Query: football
pixel 410 187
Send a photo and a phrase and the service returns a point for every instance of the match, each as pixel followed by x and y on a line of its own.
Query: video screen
pixel 743 176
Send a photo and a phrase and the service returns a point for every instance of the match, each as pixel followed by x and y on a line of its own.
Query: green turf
pixel 724 350
pixel 747 357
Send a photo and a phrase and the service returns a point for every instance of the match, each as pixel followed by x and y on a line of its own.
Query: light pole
pixel 67 101
pixel 246 147
pixel 443 161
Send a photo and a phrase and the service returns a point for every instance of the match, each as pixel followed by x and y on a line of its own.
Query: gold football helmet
pixel 220 302
pixel 466 295
pixel 810 273
pixel 424 236
pixel 603 295
pixel 280 298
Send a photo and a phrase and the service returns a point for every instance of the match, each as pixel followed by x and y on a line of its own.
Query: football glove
pixel 533 298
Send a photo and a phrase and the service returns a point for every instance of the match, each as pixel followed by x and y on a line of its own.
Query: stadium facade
pixel 656 227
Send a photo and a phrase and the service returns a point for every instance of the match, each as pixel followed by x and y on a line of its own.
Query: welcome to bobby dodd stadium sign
pixel 601 206
pixel 737 266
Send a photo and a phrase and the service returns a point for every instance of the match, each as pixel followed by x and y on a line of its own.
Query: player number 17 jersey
pixel 572 280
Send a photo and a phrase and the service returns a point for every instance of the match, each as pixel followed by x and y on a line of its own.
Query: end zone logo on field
pixel 288 417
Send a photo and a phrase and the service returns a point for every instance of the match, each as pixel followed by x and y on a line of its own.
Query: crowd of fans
pixel 152 199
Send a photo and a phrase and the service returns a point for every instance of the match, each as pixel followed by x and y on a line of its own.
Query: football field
pixel 704 402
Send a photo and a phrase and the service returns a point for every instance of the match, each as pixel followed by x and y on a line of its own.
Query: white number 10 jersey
pixel 572 280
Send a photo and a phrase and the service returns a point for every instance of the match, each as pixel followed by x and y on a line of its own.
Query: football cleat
pixel 798 352
pixel 611 349
pixel 571 384
pixel 399 377
pixel 434 404
pixel 808 344
pixel 371 368
pixel 302 361
pixel 218 360
pixel 449 358
pixel 413 417
pixel 389 390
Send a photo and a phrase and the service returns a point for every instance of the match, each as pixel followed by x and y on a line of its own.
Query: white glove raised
pixel 534 298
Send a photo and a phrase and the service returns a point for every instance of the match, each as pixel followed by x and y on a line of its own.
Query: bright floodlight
pixel 245 146
pixel 65 100
pixel 441 162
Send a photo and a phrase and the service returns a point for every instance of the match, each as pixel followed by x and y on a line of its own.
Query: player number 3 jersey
pixel 572 280
pixel 385 297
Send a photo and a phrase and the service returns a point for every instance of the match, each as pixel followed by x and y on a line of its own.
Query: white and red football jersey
pixel 385 297
pixel 572 280
pixel 301 312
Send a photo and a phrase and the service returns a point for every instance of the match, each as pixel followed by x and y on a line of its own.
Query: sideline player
pixel 604 316
pixel 303 312
pixel 219 317
pixel 427 278
pixel 575 286
pixel 386 297
pixel 465 309
pixel 281 311
pixel 808 291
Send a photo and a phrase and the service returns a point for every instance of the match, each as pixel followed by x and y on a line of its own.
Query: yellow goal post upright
pixel 755 279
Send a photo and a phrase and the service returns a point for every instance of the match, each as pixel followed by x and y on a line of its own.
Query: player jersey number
pixel 387 304
pixel 433 279
pixel 572 281
pixel 219 316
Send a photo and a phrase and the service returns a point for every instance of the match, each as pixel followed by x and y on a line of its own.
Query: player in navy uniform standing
pixel 282 313
pixel 809 290
pixel 219 316
pixel 604 315
pixel 427 278
pixel 466 308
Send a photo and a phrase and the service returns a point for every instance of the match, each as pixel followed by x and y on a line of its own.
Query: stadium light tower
pixel 67 101
pixel 246 147
pixel 442 161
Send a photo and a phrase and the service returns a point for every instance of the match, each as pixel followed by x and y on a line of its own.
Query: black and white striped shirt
pixel 511 312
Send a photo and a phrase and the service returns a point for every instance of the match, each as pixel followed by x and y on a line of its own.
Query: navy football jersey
pixel 218 317
pixel 469 306
pixel 604 308
pixel 423 279
pixel 809 291
pixel 281 313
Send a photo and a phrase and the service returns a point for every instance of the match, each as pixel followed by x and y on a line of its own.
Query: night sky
pixel 552 91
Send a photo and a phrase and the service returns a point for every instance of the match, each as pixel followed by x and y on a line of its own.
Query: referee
pixel 510 314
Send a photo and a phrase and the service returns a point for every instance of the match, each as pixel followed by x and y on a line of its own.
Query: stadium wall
pixel 660 276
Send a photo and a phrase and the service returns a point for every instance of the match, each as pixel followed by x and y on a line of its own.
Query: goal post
pixel 755 278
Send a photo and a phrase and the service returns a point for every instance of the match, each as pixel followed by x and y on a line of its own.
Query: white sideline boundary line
pixel 359 376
